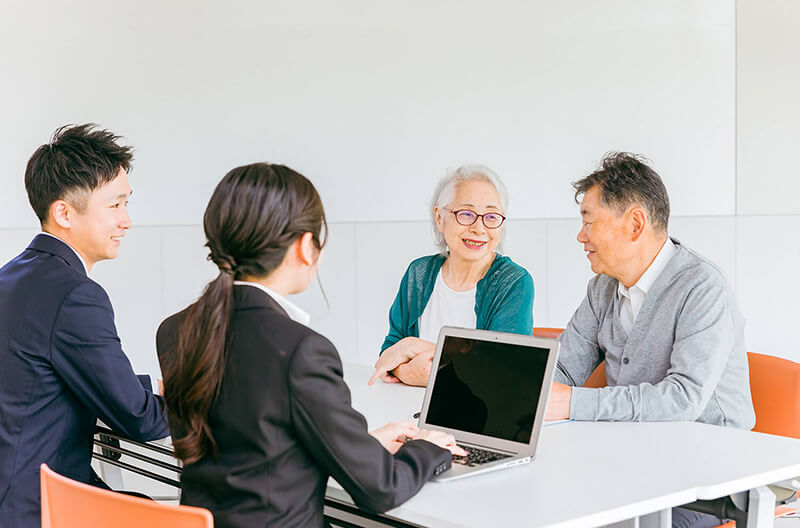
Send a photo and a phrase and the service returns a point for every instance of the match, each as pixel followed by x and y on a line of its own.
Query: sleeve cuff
pixel 584 404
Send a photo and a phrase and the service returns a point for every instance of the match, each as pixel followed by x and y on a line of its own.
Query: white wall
pixel 373 101
pixel 768 173
pixel 365 95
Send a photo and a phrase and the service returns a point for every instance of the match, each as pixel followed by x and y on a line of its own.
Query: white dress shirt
pixel 296 313
pixel 631 299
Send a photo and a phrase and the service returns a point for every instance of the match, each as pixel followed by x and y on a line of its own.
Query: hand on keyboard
pixel 477 457
pixel 441 439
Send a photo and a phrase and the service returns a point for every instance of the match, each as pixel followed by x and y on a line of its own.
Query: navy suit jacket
pixel 61 368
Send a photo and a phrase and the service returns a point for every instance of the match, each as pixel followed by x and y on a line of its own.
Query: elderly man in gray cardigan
pixel 661 317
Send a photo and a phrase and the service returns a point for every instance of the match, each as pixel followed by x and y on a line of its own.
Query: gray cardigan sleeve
pixel 580 353
pixel 703 339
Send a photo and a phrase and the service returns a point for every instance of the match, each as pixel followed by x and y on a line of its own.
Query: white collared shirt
pixel 72 248
pixel 631 299
pixel 296 313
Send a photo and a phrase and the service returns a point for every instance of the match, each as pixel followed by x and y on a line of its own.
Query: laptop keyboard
pixel 477 457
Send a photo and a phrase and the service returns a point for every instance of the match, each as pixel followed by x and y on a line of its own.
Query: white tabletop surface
pixel 586 474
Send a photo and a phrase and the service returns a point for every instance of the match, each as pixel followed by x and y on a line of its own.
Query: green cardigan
pixel 503 298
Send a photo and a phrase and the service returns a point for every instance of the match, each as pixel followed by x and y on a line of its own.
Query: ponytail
pixel 254 215
pixel 193 378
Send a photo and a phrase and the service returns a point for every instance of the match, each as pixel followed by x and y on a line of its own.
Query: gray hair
pixel 625 179
pixel 446 189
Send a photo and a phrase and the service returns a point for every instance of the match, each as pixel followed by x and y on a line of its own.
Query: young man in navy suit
pixel 61 363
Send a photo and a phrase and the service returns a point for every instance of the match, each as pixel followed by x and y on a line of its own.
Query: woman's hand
pixel 417 371
pixel 393 435
pixel 447 441
pixel 399 353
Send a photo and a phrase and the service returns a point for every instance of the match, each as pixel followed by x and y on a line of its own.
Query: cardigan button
pixel 625 361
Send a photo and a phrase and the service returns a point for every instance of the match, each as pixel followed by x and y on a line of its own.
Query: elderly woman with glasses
pixel 467 284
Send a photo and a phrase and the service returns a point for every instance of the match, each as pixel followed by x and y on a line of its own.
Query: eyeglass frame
pixel 481 216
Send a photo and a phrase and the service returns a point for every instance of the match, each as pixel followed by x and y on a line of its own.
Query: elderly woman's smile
pixel 474 244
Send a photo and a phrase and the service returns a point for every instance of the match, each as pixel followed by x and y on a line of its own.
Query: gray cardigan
pixel 685 357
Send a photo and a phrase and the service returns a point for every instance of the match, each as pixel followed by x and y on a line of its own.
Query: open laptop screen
pixel 487 387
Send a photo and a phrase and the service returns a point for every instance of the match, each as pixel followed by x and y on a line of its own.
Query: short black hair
pixel 78 159
pixel 625 179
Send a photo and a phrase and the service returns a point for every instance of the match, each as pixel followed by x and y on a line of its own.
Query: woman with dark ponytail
pixel 258 409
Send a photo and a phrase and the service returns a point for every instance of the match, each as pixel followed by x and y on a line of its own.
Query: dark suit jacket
pixel 283 423
pixel 61 367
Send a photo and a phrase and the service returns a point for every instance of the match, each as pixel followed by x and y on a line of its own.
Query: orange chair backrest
pixel 70 504
pixel 775 386
pixel 597 378
pixel 542 331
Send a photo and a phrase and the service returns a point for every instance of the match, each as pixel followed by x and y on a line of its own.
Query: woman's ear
pixel 437 217
pixel 306 249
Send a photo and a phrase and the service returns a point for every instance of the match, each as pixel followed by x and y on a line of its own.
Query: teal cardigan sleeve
pixel 412 297
pixel 504 298
pixel 398 314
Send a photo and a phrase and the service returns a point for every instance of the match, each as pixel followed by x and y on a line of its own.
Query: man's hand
pixel 392 435
pixel 417 371
pixel 560 399
pixel 399 353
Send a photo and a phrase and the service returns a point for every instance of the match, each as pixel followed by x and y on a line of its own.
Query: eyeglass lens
pixel 467 217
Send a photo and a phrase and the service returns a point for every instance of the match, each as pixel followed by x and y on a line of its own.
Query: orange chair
pixel 775 386
pixel 597 378
pixel 542 331
pixel 70 504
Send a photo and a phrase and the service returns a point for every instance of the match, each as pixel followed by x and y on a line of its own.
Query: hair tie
pixel 225 263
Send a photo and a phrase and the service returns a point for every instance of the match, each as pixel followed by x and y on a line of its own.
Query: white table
pixel 589 474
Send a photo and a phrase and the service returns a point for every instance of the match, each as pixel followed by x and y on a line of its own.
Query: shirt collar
pixel 650 275
pixel 73 249
pixel 295 312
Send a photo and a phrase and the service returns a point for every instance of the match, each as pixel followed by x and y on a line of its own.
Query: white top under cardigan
pixel 447 307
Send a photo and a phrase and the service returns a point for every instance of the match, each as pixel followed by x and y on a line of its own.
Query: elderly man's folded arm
pixel 704 341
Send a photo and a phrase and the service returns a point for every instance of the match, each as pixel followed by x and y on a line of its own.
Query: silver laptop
pixel 490 390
